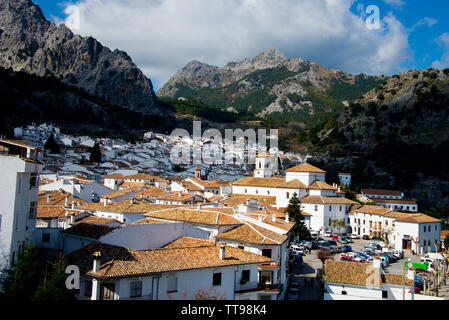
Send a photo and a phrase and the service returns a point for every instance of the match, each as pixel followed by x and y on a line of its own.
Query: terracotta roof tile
pixel 88 230
pixel 195 216
pixel 305 167
pixel 361 274
pixel 251 233
pixel 118 262
pixel 326 200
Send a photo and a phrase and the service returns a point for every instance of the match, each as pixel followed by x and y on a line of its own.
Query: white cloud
pixel 443 41
pixel 163 35
pixel 398 4
pixel 427 21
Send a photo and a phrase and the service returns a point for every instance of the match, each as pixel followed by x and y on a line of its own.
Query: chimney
pixel 48 198
pixel 260 217
pixel 66 201
pixel 97 261
pixel 287 218
pixel 72 219
pixel 106 201
pixel 73 205
pixel 273 217
pixel 222 251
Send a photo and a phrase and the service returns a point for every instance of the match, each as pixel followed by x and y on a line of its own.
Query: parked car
pixel 355 257
pixel 349 239
pixel 363 255
pixel 306 244
pixel 432 257
pixel 398 254
pixel 315 244
pixel 384 256
pixel 323 244
pixel 297 252
pixel 346 258
pixel 335 237
pixel 343 240
pixel 347 248
pixel 366 237
pixel 327 234
pixel 355 236
pixel 373 246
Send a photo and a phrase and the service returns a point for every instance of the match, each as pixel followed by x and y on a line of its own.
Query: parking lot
pixel 307 274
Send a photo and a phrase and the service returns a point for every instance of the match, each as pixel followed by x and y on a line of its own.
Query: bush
pixel 446 71
pixel 381 97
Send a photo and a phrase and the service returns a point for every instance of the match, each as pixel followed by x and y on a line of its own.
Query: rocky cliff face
pixel 32 44
pixel 397 136
pixel 267 84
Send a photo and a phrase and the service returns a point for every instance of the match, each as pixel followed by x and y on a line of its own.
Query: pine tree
pixel 53 286
pixel 294 211
pixel 95 154
pixel 24 277
pixel 51 145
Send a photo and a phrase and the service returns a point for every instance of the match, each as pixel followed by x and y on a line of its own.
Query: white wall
pixel 16 196
pixel 151 236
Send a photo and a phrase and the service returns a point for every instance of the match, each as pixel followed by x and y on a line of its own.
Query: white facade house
pixel 358 281
pixel 345 179
pixel 82 190
pixel 383 194
pixel 19 191
pixel 405 231
pixel 181 270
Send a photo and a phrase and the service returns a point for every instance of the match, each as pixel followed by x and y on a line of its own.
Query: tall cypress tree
pixel 51 145
pixel 95 154
pixel 294 211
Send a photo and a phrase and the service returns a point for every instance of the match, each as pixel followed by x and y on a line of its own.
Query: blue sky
pixel 161 38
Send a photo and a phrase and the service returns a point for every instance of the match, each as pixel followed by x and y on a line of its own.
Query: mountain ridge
pixel 32 44
pixel 269 84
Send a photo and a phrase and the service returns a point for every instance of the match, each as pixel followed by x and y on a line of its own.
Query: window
pixel 330 208
pixel 344 293
pixel 135 289
pixel 46 238
pixel 384 294
pixel 33 180
pixel 32 213
pixel 245 276
pixel 216 280
pixel 268 192
pixel 341 208
pixel 266 253
pixel 288 195
pixel 88 288
pixel 0 222
pixel 316 208
pixel 241 247
pixel 172 284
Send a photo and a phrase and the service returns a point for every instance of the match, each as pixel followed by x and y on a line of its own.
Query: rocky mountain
pixel 34 45
pixel 396 136
pixel 30 99
pixel 269 85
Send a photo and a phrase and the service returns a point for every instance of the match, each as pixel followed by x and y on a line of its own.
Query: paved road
pixel 312 264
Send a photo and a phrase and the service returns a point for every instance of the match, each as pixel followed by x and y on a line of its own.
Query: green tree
pixel 24 277
pixel 53 286
pixel 51 145
pixel 294 211
pixel 95 154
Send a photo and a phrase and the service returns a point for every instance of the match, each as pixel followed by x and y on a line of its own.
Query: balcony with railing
pixel 252 286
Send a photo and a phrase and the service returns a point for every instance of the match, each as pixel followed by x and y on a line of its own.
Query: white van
pixel 431 257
